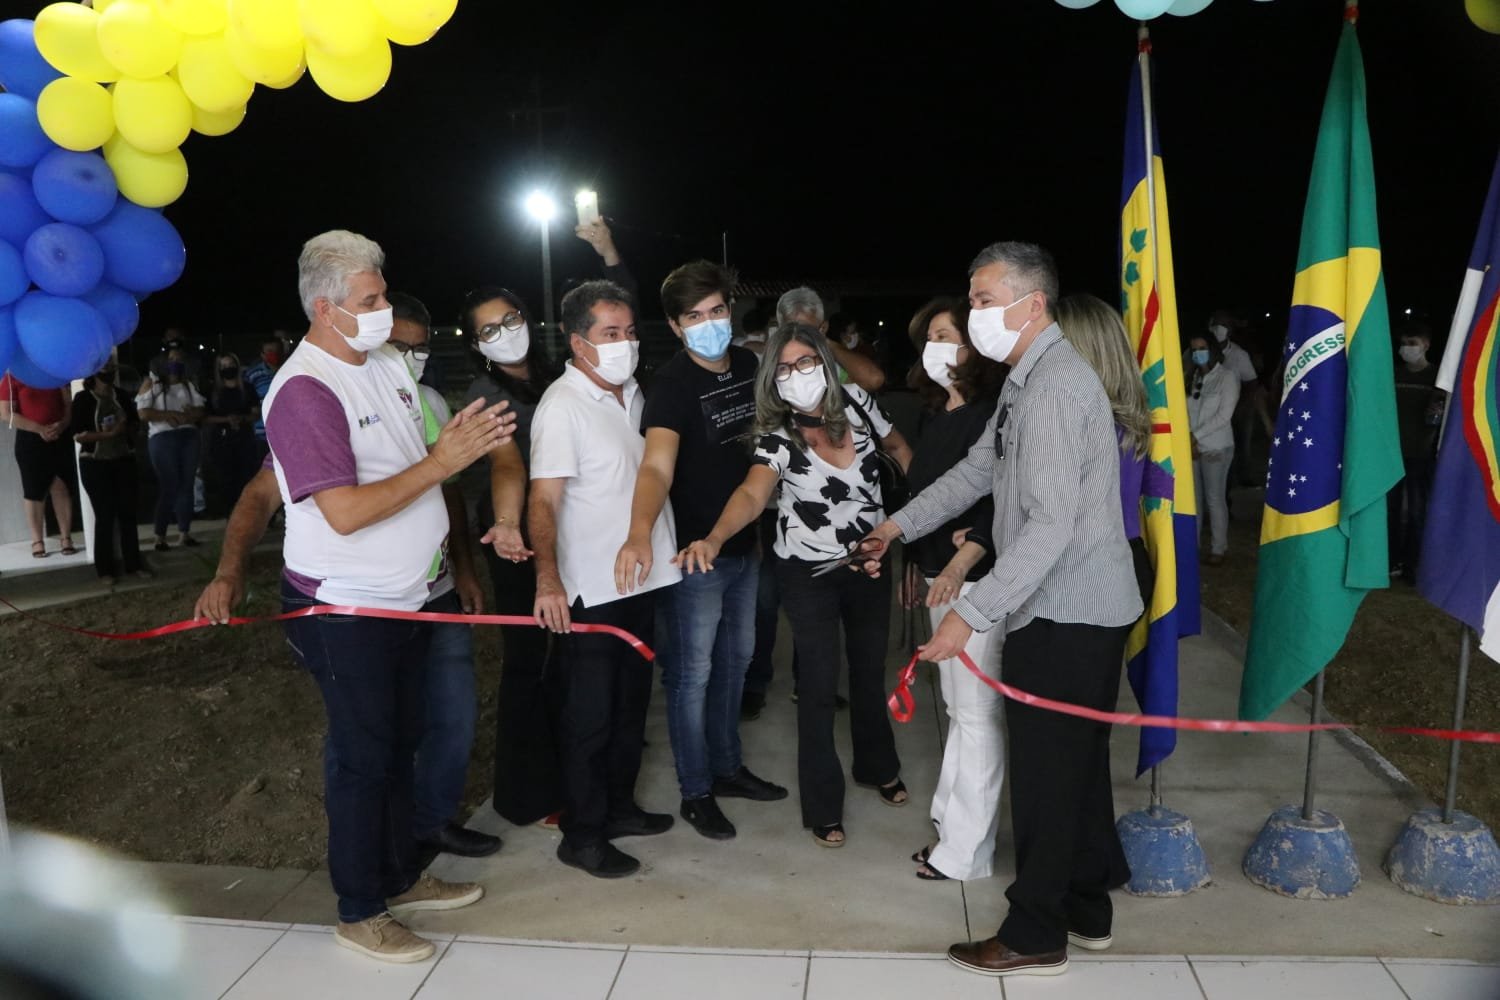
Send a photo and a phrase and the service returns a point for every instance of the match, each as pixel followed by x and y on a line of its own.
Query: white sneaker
pixel 429 893
pixel 384 938
pixel 1090 943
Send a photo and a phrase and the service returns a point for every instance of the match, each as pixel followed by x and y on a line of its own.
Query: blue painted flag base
pixel 1164 854
pixel 1455 862
pixel 1303 858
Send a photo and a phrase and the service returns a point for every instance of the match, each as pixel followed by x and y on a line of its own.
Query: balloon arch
pixel 98 100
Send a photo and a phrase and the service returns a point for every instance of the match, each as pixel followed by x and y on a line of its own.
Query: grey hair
pixel 772 414
pixel 1028 268
pixel 329 260
pixel 801 301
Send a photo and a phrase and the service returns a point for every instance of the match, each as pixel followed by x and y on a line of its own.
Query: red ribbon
pixel 903 703
pixel 340 609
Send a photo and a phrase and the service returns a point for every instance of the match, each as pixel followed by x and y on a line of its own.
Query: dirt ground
pixel 206 747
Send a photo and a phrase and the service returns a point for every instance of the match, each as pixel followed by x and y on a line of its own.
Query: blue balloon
pixel 22 69
pixel 74 187
pixel 22 141
pixel 142 250
pixel 20 213
pixel 13 279
pixel 8 347
pixel 64 259
pixel 63 337
pixel 118 308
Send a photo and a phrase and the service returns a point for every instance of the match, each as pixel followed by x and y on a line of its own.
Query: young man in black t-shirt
pixel 696 421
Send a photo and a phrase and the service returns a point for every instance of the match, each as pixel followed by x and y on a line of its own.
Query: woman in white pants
pixel 960 387
pixel 1213 391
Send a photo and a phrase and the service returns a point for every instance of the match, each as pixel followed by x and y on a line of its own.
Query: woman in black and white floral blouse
pixel 817 440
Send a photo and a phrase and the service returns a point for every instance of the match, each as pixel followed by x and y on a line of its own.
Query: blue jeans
pixel 370 672
pixel 174 457
pixel 709 623
pixel 443 755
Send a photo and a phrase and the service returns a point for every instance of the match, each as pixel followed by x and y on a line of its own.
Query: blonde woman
pixel 1095 330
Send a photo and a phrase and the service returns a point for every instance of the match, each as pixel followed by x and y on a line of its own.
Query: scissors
pixel 852 556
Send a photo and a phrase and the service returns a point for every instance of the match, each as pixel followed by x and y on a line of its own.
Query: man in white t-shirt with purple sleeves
pixel 366 526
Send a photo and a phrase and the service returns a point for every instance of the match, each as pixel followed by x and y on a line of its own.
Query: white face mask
pixel 417 366
pixel 1412 353
pixel 374 328
pixel 851 340
pixel 989 334
pixel 617 360
pixel 804 390
pixel 938 360
pixel 509 348
pixel 1220 331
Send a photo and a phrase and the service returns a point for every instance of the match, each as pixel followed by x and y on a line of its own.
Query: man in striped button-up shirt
pixel 1063 588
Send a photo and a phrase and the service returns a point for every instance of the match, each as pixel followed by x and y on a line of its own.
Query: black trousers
pixel 606 687
pixel 816 606
pixel 111 486
pixel 528 776
pixel 1068 855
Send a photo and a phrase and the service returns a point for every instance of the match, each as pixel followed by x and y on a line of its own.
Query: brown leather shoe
pixel 992 958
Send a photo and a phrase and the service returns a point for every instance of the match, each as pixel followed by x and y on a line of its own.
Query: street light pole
pixel 546 274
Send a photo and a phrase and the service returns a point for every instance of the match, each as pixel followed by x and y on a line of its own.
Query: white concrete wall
pixel 12 515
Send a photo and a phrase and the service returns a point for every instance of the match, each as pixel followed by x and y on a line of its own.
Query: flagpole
pixel 1143 45
pixel 1450 799
pixel 1310 788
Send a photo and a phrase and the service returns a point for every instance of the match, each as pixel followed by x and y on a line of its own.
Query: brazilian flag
pixel 1333 455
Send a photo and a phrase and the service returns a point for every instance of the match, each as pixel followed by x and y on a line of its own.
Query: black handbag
pixel 895 490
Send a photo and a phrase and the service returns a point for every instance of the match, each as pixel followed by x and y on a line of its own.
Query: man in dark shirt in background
pixel 1419 411
pixel 701 407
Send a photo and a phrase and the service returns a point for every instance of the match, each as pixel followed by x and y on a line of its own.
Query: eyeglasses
pixel 803 365
pixel 512 322
pixel 1000 431
pixel 421 351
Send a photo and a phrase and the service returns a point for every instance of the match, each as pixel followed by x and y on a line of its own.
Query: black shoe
pixel 744 785
pixel 454 839
pixel 638 824
pixel 603 860
pixel 751 704
pixel 707 819
pixel 840 703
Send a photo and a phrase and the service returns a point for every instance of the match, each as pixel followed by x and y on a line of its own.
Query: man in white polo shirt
pixel 366 526
pixel 586 446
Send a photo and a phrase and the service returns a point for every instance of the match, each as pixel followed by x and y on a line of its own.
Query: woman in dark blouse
pixel 960 387
pixel 106 466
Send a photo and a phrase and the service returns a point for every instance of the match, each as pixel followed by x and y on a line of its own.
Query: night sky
pixel 840 142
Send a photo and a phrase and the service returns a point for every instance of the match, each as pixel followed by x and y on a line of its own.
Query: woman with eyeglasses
pixel 960 388
pixel 515 367
pixel 1213 391
pixel 820 443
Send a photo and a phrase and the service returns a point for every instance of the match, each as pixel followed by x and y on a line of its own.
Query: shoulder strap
pixel 864 417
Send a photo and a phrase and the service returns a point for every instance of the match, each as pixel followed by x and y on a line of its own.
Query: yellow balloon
pixel 217 122
pixel 208 75
pixel 194 17
pixel 67 34
pixel 100 6
pixel 353 79
pixel 1485 13
pixel 76 114
pixel 290 78
pixel 403 36
pixel 149 179
pixel 152 115
pixel 416 16
pixel 258 63
pixel 137 40
pixel 268 24
pixel 340 28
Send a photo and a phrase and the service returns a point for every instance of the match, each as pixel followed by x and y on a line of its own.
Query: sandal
pixel 927 873
pixel 921 856
pixel 67 546
pixel 824 834
pixel 39 550
pixel 889 793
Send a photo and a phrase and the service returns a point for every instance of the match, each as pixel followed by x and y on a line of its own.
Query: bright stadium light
pixel 541 207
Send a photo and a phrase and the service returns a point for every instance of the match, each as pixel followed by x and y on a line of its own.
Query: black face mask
pixel 229 371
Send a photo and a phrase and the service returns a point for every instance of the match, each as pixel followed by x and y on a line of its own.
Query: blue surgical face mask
pixel 1200 358
pixel 709 339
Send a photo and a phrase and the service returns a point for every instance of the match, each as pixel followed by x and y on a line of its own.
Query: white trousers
pixel 966 805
